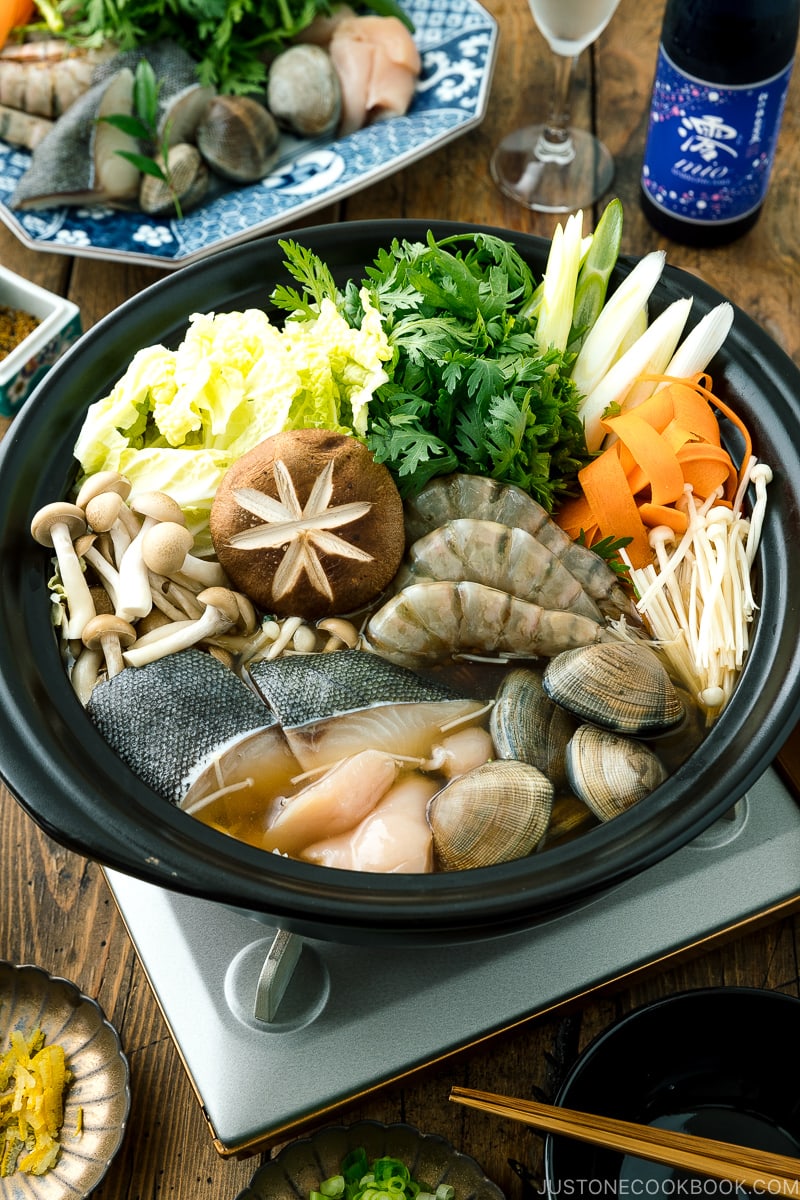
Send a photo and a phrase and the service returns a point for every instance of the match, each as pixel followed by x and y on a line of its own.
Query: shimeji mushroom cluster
pixel 133 591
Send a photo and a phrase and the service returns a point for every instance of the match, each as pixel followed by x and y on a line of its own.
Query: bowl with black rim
pixel 74 786
pixel 717 1062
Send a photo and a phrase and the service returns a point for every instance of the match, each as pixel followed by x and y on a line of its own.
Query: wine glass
pixel 553 167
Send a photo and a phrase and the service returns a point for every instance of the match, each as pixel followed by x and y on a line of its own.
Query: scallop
pixel 303 91
pixel 238 138
pixel 610 772
pixel 622 686
pixel 494 813
pixel 528 726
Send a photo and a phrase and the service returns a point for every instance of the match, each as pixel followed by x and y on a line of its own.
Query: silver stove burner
pixel 204 962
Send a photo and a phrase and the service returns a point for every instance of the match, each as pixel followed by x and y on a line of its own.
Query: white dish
pixel 457 40
pixel 59 326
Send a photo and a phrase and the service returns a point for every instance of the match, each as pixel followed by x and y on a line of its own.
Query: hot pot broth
pixel 247 786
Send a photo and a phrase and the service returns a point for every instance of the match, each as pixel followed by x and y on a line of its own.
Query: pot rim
pixel 91 802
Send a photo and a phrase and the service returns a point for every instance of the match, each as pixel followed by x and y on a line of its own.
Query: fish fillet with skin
pixel 75 163
pixel 332 705
pixel 166 719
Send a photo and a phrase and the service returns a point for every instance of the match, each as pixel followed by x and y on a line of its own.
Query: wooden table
pixel 55 908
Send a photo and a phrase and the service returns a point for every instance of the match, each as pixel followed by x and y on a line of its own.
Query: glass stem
pixel 555 144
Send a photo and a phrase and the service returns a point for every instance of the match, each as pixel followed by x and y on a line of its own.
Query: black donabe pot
pixel 70 782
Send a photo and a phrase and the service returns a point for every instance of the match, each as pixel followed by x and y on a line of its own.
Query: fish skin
pixel 165 719
pixel 173 67
pixel 305 688
pixel 62 168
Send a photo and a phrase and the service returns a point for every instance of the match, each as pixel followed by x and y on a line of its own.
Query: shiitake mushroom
pixel 308 524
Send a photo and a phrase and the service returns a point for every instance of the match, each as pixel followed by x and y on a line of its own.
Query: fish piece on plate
pixel 182 101
pixel 168 717
pixel 76 162
pixel 378 64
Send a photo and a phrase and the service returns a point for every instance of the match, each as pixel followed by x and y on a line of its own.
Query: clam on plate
pixel 457 41
pixel 301 1166
pixel 97 1100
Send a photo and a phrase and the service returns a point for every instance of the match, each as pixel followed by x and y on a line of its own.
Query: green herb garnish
pixel 143 124
pixel 384 1179
pixel 231 40
pixel 469 388
pixel 608 549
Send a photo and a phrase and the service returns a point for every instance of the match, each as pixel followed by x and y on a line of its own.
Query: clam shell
pixel 189 177
pixel 496 812
pixel 183 113
pixel 622 686
pixel 528 726
pixel 238 138
pixel 303 90
pixel 570 816
pixel 609 772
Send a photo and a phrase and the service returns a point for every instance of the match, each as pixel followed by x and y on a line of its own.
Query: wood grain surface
pixel 55 908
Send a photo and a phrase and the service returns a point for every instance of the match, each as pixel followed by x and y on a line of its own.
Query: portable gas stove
pixel 212 968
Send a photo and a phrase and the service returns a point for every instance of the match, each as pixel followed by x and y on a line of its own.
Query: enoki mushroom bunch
pixel 696 597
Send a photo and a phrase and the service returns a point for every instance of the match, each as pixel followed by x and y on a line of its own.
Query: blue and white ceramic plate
pixel 457 41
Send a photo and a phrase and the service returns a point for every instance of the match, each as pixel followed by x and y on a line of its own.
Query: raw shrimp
pixel 431 622
pixel 500 557
pixel 45 78
pixel 449 497
pixel 21 129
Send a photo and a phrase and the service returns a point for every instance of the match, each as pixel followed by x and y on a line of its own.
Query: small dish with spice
pixel 64 1080
pixel 36 327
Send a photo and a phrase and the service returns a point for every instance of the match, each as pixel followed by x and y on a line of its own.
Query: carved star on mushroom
pixel 302 530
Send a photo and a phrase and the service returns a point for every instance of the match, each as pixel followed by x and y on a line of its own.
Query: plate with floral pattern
pixel 457 41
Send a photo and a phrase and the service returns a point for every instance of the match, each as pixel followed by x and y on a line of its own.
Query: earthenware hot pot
pixel 70 782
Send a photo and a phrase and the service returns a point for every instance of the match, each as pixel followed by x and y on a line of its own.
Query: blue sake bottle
pixel 718 99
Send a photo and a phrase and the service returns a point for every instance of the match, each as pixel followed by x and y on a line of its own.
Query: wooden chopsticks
pixel 774 1174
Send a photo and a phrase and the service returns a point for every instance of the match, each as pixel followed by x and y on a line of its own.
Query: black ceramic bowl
pixel 75 787
pixel 716 1062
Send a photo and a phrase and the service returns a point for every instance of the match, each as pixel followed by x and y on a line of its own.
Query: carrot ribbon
pixel 667 443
